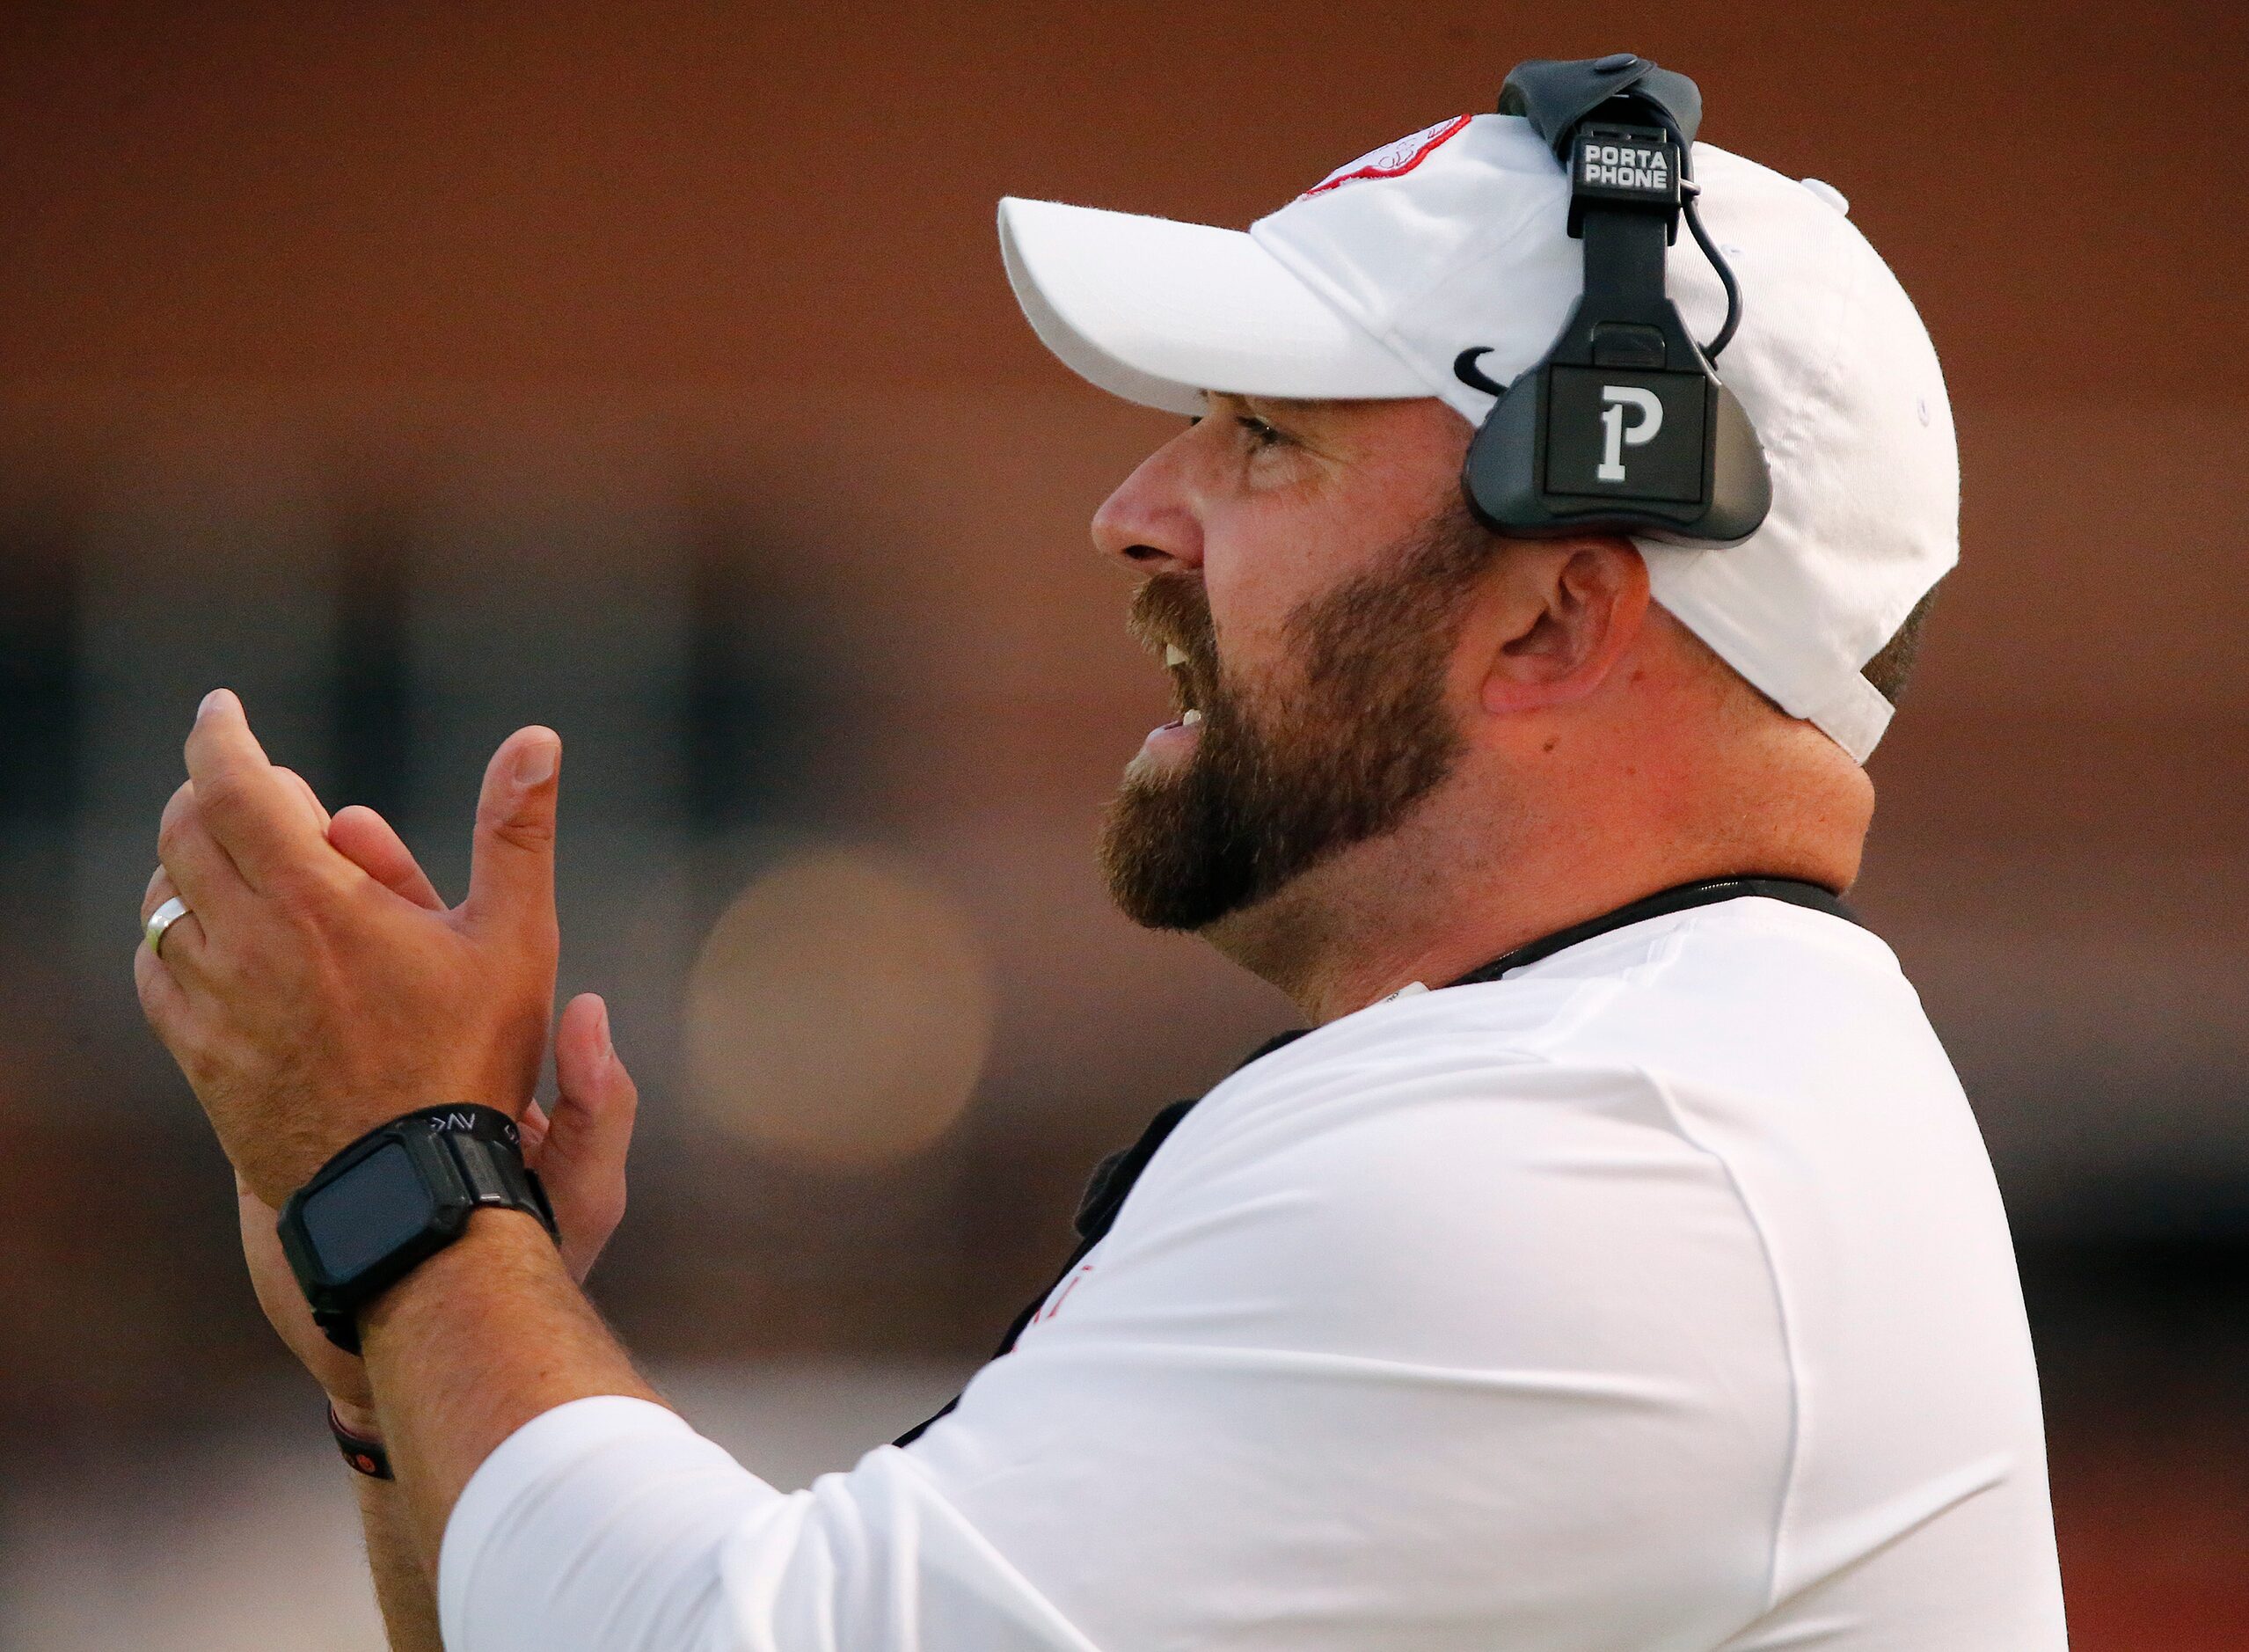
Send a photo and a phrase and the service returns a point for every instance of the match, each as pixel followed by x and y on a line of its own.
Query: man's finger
pixel 302 787
pixel 254 813
pixel 164 1001
pixel 596 1098
pixel 531 1129
pixel 588 1137
pixel 161 888
pixel 202 873
pixel 372 843
pixel 511 876
pixel 181 954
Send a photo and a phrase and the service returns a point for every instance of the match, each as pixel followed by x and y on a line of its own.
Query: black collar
pixel 1703 892
pixel 1662 903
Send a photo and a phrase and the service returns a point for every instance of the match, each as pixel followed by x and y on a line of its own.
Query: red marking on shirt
pixel 1055 1306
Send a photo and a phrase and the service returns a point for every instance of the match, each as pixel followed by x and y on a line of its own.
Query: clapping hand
pixel 319 987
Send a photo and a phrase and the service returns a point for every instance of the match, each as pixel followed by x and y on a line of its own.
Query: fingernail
pixel 212 701
pixel 609 1045
pixel 535 763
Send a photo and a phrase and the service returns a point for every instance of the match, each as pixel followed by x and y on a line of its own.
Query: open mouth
pixel 1170 744
pixel 1180 667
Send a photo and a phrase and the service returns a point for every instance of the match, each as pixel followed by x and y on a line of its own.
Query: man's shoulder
pixel 1683 1047
pixel 1713 993
pixel 1453 1180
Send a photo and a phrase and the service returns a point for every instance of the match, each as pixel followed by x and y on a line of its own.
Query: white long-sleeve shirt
pixel 1656 1295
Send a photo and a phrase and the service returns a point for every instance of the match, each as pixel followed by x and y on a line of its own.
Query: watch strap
pixel 498 1177
pixel 365 1455
pixel 464 1118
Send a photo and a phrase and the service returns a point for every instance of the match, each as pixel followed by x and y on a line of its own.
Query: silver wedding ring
pixel 162 919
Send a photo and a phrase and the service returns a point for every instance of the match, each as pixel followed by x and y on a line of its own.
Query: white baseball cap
pixel 1373 282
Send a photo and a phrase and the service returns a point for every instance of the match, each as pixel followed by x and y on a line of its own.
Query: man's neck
pixel 1448 891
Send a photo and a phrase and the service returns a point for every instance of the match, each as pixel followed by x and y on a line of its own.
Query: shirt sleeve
pixel 1430 1355
pixel 609 1525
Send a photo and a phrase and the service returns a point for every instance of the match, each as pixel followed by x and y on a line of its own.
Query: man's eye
pixel 1261 433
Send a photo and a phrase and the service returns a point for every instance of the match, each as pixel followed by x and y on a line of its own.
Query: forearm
pixel 403 1585
pixel 606 1525
pixel 613 1526
pixel 476 1341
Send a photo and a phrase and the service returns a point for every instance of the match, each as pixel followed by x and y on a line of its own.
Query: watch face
pixel 368 1212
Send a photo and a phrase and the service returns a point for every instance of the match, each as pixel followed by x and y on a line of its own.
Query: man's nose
pixel 1151 524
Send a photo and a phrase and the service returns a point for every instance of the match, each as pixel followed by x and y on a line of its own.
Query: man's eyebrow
pixel 1279 407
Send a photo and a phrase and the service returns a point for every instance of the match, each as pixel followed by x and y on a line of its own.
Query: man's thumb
pixel 511 876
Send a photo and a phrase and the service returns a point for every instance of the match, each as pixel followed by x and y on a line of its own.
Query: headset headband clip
pixel 1555 97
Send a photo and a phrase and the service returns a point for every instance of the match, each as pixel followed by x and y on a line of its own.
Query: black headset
pixel 1624 427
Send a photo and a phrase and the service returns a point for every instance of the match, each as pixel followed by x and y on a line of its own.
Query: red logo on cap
pixel 1391 160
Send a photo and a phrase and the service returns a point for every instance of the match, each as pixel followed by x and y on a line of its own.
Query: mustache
pixel 1171 608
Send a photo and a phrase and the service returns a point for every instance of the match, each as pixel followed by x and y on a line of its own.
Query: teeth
pixel 1173 654
pixel 1189 719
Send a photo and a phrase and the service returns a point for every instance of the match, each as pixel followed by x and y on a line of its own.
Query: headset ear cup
pixel 1499 477
pixel 1741 487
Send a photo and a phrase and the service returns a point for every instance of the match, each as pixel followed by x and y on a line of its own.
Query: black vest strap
pixel 1113 1177
pixel 1097 1211
pixel 1707 892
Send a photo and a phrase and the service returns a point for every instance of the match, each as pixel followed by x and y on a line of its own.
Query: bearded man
pixel 1613 1264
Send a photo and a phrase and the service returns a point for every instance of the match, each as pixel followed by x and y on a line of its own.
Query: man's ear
pixel 1562 613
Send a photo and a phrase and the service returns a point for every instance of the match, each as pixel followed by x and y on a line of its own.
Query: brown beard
pixel 1287 773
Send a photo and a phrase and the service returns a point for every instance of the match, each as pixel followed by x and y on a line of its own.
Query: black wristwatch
pixel 396 1197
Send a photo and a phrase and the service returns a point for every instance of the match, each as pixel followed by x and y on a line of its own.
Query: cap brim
pixel 1159 312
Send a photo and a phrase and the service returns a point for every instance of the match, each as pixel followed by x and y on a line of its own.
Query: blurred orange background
pixel 649 371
